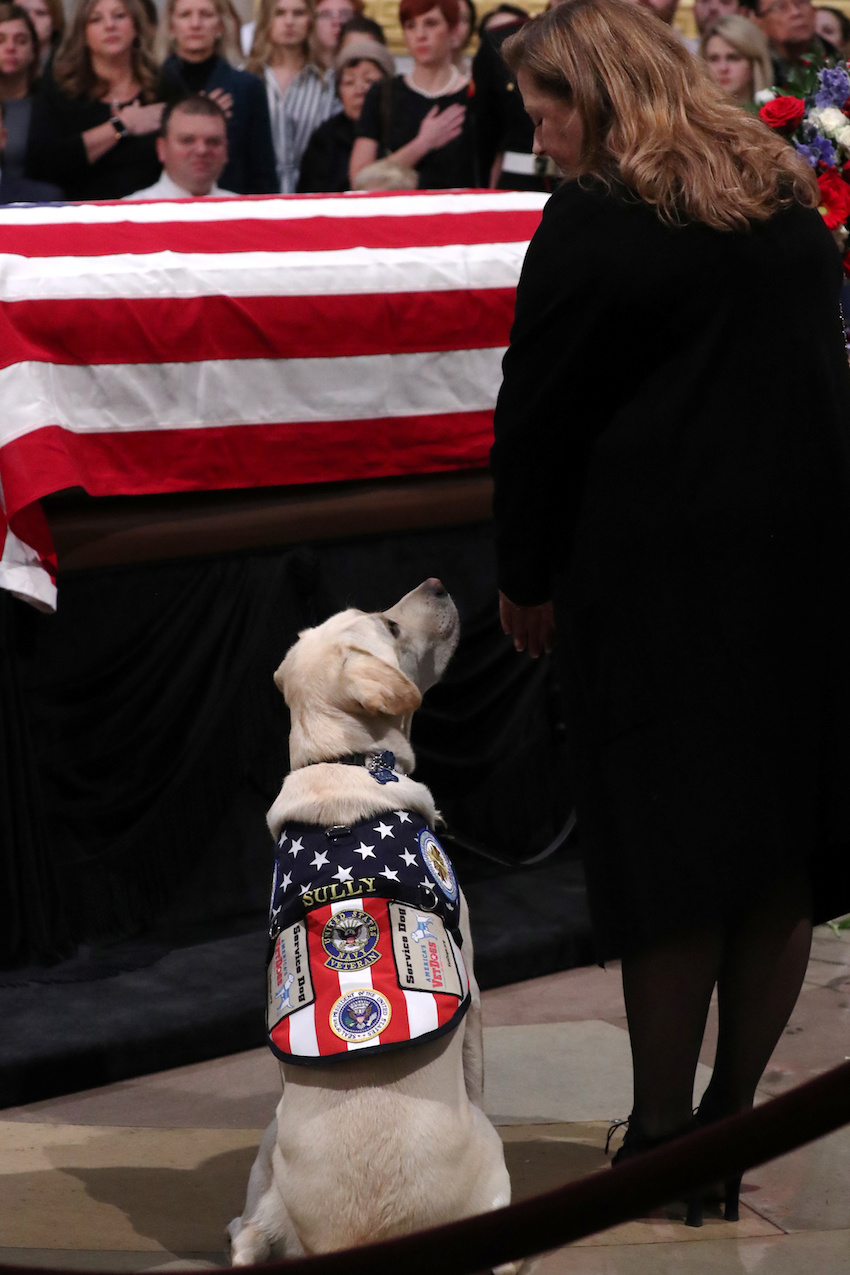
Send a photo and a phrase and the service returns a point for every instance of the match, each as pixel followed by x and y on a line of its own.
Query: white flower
pixel 842 136
pixel 830 119
pixel 764 95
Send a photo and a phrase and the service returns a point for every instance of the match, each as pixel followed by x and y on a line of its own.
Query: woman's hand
pixel 440 127
pixel 224 100
pixel 532 628
pixel 141 119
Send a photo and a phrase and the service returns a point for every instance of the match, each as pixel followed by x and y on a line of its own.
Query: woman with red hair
pixel 422 120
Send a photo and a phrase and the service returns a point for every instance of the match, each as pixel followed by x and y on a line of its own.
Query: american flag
pixel 212 344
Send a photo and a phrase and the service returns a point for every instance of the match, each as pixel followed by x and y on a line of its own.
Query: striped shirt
pixel 309 101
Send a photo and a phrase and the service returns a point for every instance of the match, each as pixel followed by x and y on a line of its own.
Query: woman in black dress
pixel 422 120
pixel 199 34
pixel 672 485
pixel 94 116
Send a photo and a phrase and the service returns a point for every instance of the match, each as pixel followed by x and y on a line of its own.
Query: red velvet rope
pixel 602 1200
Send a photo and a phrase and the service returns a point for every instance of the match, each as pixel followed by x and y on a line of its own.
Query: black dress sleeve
pixel 553 398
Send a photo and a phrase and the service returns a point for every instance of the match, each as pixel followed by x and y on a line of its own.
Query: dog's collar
pixel 381 766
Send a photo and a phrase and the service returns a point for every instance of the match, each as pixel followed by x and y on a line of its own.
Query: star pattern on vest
pixel 340 863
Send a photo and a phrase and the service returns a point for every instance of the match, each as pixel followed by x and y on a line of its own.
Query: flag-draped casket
pixel 206 345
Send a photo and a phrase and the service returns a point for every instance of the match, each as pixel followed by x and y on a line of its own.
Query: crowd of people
pixel 308 97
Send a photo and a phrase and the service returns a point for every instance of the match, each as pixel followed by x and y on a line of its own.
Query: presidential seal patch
pixel 438 864
pixel 350 938
pixel 360 1015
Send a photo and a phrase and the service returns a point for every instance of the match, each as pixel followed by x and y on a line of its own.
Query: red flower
pixel 783 113
pixel 834 204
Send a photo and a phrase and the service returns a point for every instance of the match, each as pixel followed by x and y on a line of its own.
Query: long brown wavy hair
pixel 72 68
pixel 261 45
pixel 653 118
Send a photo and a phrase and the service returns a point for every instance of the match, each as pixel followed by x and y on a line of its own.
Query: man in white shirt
pixel 192 148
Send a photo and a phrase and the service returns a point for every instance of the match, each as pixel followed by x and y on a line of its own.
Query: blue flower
pixel 818 150
pixel 834 87
pixel 809 154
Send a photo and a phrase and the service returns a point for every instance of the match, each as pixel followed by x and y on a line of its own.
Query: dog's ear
pixel 374 686
pixel 283 672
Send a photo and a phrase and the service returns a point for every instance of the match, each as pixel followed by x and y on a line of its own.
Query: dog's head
pixel 355 680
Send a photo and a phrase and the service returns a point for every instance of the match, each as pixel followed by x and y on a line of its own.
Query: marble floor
pixel 144 1175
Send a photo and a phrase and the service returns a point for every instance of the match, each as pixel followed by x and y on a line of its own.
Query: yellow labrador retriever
pixel 373 1006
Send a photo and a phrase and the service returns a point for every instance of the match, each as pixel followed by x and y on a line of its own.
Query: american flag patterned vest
pixel 365 950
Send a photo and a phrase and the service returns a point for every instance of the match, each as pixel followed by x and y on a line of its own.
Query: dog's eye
pixel 392 626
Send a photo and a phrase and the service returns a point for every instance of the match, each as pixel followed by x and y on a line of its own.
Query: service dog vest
pixel 365 941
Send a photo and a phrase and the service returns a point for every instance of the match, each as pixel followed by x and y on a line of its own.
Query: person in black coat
pixel 198 31
pixel 672 502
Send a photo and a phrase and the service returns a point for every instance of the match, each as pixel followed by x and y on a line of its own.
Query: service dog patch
pixel 289 984
pixel 423 954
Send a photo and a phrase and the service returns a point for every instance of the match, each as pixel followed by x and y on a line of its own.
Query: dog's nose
pixel 435 586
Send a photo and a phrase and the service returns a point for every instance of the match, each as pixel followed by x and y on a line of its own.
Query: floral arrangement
pixel 813 113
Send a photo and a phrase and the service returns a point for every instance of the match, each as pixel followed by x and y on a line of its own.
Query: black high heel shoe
pixel 636 1142
pixel 731 1188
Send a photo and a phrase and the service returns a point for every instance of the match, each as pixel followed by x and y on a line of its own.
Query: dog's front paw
pixel 248 1245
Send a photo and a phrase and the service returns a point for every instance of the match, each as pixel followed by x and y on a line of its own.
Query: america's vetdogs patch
pixel 360 1015
pixel 290 986
pixel 423 954
pixel 350 938
pixel 438 863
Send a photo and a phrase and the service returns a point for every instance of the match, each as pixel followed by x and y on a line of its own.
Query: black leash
pixel 559 840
